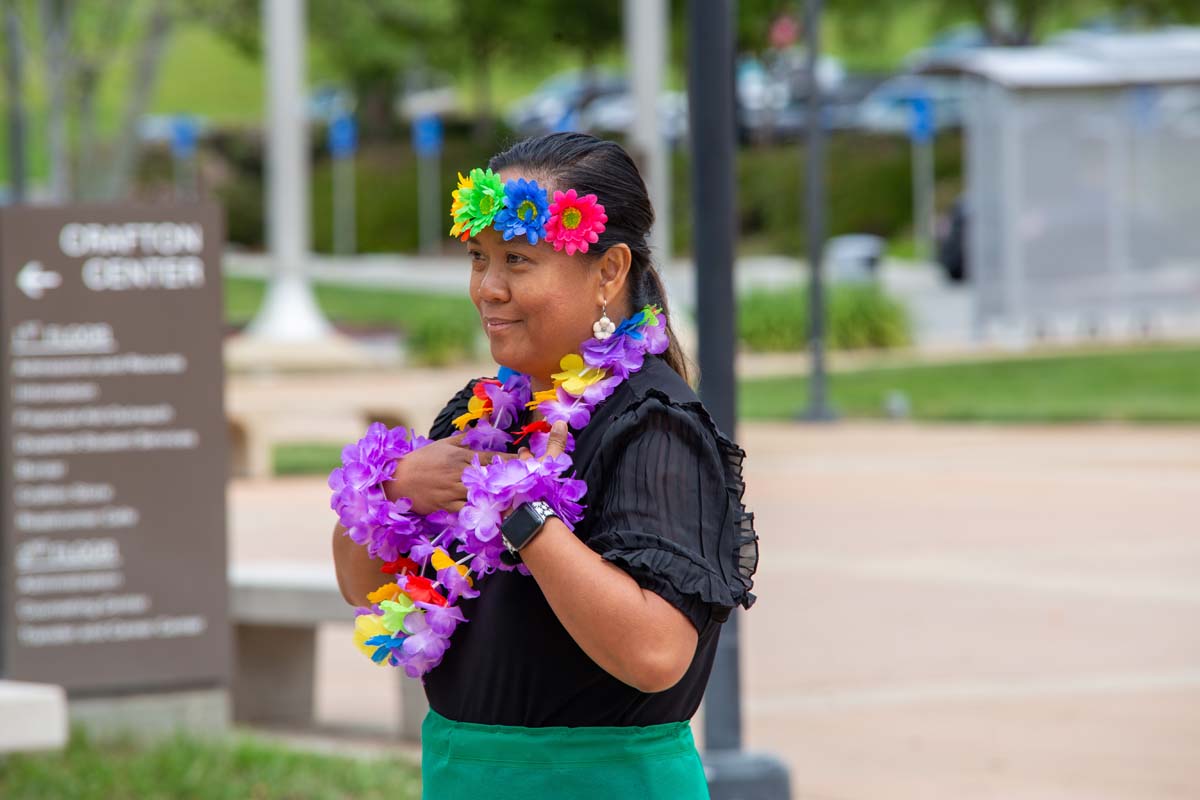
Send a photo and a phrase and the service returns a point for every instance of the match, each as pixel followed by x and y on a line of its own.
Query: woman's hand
pixel 431 476
pixel 556 444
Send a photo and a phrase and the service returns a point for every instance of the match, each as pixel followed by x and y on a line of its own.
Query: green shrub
pixel 440 341
pixel 439 329
pixel 868 185
pixel 859 316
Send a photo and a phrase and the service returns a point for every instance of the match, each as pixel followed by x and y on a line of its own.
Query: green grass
pixel 185 767
pixel 306 458
pixel 1150 385
pixel 1156 385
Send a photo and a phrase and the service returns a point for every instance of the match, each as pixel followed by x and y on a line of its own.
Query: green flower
pixel 395 611
pixel 480 202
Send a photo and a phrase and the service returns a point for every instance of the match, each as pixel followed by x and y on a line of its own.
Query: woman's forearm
pixel 357 573
pixel 633 634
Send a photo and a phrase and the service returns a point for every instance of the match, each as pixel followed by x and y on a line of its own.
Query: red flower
pixel 400 565
pixel 421 591
pixel 541 426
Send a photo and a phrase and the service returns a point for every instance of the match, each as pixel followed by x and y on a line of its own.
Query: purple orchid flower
pixel 482 518
pixel 456 584
pixel 486 436
pixel 575 412
pixel 506 405
pixel 442 620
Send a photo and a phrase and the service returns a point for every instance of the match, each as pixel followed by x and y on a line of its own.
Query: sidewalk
pixel 944 612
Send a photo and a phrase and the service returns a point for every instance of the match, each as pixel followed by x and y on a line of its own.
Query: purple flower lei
pixel 413 630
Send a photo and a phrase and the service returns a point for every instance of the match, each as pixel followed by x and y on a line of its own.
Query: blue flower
pixel 385 646
pixel 526 211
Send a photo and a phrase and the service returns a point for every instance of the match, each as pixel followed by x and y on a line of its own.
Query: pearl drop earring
pixel 603 327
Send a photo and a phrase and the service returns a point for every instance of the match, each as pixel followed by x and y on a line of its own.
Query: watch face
pixel 521 525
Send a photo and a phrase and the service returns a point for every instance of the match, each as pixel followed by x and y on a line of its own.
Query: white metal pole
pixel 289 312
pixel 645 24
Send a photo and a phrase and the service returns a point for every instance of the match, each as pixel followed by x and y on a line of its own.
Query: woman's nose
pixel 493 287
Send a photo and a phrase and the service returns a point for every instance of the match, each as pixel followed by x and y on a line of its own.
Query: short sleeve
pixel 669 508
pixel 443 423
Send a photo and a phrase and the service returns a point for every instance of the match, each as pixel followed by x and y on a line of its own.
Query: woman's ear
pixel 614 271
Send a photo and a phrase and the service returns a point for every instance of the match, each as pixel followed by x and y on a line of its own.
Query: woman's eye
pixel 516 258
pixel 476 257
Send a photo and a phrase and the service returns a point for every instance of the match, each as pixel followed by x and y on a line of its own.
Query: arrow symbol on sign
pixel 34 281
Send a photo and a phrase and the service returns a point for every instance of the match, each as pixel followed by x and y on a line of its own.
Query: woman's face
pixel 537 304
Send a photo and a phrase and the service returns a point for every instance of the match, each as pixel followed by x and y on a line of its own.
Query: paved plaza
pixel 945 612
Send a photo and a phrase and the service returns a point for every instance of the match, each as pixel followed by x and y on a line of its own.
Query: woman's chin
pixel 505 356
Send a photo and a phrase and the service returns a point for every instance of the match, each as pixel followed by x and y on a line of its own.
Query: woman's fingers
pixel 487 456
pixel 525 454
pixel 557 443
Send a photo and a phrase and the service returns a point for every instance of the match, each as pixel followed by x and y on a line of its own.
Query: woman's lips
pixel 496 324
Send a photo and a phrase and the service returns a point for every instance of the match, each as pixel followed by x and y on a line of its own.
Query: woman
pixel 578 680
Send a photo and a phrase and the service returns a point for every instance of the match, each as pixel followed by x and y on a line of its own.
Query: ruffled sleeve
pixel 666 506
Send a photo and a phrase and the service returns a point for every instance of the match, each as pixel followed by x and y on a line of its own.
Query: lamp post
pixel 818 409
pixel 732 772
pixel 289 312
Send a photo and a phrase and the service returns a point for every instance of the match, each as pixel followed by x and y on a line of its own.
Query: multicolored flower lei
pixel 520 208
pixel 411 619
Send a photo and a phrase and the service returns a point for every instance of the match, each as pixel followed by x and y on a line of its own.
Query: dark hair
pixel 596 166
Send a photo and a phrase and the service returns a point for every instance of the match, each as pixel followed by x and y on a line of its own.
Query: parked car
pixel 888 107
pixel 614 113
pixel 772 95
pixel 558 103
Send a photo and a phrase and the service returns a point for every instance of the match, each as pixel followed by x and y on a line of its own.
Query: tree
pixel 1006 22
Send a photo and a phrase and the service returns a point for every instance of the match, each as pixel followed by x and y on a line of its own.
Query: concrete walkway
pixel 945 612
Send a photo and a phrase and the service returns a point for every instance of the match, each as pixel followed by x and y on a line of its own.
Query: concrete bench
pixel 253 434
pixel 276 608
pixel 33 716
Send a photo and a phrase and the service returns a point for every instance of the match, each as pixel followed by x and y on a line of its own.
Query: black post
pixel 818 409
pixel 712 126
pixel 732 773
pixel 14 74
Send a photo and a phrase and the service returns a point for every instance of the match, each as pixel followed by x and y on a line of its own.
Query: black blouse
pixel 664 503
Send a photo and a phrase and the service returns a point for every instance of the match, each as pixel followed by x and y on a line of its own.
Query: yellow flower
pixel 538 397
pixel 367 626
pixel 475 410
pixel 577 376
pixel 386 592
pixel 441 559
pixel 458 204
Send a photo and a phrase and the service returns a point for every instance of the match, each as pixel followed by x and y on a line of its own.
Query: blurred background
pixel 981 580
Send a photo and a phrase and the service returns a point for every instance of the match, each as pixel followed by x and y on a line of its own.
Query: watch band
pixel 525 522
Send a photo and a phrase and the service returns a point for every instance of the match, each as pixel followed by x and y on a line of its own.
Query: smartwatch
pixel 524 523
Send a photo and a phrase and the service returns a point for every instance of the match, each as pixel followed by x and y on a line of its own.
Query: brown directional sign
pixel 112 481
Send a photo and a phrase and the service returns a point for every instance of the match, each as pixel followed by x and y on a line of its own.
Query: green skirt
pixel 461 760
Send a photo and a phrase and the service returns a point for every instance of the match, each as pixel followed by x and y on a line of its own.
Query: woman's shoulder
pixel 657 391
pixel 656 402
pixel 657 378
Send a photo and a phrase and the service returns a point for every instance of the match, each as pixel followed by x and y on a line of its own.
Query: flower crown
pixel 521 208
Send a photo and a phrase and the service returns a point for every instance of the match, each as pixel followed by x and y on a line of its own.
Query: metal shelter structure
pixel 1083 183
